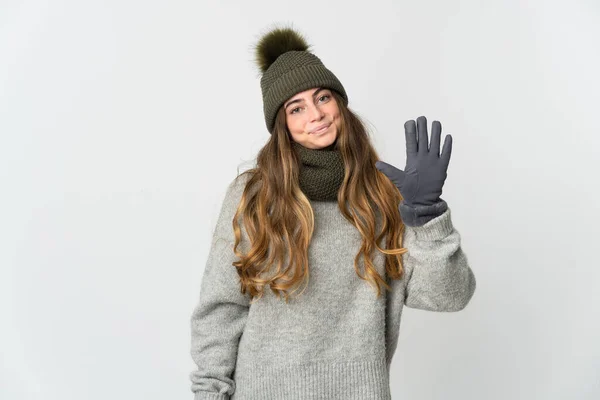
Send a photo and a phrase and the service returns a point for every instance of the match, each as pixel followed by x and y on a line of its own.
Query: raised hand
pixel 425 172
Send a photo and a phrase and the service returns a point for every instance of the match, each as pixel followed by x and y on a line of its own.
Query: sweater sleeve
pixel 218 319
pixel 438 275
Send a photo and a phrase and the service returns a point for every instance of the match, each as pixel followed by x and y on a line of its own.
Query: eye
pixel 325 96
pixel 294 110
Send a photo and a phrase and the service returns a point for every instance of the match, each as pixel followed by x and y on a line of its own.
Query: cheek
pixel 334 111
pixel 337 120
pixel 295 125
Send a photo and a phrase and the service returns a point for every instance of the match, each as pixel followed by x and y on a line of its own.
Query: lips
pixel 319 128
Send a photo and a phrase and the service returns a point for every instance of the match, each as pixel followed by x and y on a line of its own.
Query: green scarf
pixel 321 171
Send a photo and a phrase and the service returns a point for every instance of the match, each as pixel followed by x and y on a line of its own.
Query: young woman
pixel 317 249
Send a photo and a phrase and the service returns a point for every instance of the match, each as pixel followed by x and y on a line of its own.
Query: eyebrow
pixel 299 100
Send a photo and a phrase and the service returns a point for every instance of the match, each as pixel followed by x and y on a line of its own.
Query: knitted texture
pixel 335 341
pixel 291 73
pixel 321 172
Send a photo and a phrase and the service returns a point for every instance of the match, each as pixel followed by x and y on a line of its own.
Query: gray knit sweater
pixel 335 341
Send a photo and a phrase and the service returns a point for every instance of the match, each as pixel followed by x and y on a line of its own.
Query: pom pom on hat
pixel 277 42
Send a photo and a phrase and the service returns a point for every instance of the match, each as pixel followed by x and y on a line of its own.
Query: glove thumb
pixel 394 174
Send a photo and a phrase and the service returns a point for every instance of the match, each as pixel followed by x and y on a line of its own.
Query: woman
pixel 318 248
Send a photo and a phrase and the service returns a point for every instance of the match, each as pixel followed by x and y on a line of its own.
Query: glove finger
pixel 423 145
pixel 446 151
pixel 410 132
pixel 436 131
pixel 394 174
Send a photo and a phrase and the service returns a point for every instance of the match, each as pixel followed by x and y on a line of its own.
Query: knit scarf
pixel 321 171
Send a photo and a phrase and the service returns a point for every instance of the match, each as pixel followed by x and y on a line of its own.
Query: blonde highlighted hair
pixel 279 220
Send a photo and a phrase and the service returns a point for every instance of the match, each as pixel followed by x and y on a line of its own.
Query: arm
pixel 438 275
pixel 218 319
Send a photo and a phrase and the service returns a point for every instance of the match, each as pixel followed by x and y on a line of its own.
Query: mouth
pixel 319 129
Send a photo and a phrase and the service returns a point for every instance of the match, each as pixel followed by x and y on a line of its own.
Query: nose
pixel 315 113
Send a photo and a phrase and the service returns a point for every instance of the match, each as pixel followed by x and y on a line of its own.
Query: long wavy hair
pixel 279 220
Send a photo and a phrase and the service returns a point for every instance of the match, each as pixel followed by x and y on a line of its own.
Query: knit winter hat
pixel 288 67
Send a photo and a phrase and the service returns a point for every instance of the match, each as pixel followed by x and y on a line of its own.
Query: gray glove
pixel 423 177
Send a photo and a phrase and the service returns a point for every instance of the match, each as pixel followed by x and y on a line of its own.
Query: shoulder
pixel 236 186
pixel 235 189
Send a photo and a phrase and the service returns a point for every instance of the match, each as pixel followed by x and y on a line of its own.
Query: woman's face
pixel 310 110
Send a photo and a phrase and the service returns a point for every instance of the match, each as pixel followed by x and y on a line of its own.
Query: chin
pixel 319 143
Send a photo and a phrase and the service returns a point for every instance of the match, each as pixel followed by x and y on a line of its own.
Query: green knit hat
pixel 288 68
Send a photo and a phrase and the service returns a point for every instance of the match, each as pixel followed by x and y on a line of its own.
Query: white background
pixel 122 122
